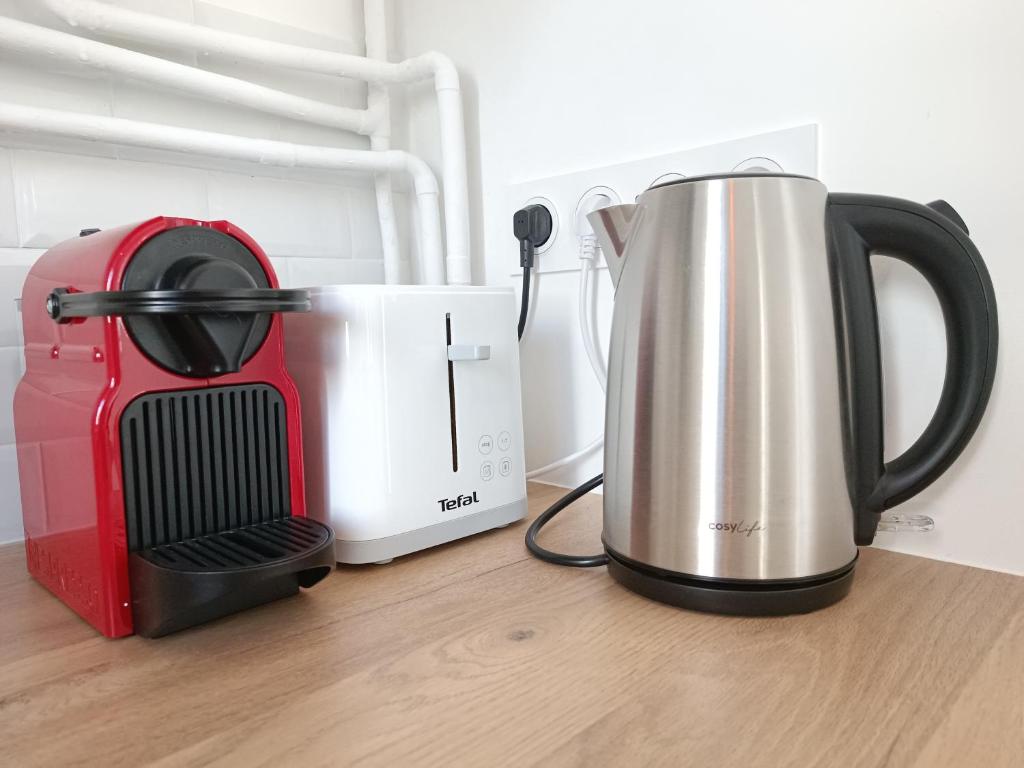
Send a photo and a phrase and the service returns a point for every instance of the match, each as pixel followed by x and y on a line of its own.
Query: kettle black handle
pixel 63 305
pixel 934 240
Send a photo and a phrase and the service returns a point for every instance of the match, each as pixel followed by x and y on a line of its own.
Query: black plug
pixel 532 227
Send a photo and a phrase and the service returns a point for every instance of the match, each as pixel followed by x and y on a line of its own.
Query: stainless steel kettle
pixel 743 436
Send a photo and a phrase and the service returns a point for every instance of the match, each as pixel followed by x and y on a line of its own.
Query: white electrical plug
pixel 594 199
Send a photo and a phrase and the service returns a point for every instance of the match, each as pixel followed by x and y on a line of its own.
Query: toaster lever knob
pixel 469 352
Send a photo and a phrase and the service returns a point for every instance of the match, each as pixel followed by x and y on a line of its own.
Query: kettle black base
pixel 735 597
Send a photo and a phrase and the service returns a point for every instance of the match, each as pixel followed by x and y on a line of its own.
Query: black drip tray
pixel 188 582
pixel 251 545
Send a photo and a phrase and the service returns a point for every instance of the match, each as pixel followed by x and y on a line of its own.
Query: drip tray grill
pixel 251 545
pixel 187 582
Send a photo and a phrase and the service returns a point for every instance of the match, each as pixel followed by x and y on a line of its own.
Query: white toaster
pixel 411 414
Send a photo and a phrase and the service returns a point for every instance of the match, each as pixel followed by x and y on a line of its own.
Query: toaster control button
pixel 504 441
pixel 486 444
pixel 505 467
pixel 486 471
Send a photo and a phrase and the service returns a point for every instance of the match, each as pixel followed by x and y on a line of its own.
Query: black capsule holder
pixel 195 301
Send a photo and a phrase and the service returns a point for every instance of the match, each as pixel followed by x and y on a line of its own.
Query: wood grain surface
pixel 474 654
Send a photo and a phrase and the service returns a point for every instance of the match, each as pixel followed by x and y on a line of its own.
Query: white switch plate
pixel 795 150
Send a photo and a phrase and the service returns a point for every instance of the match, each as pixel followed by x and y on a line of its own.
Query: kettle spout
pixel 614 226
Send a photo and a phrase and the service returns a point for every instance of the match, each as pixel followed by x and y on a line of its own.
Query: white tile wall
pixel 320 22
pixel 365 226
pixel 58 194
pixel 286 217
pixel 317 227
pixel 10 373
pixel 31 83
pixel 14 266
pixel 137 101
pixel 331 36
pixel 8 213
pixel 10 516
pixel 305 272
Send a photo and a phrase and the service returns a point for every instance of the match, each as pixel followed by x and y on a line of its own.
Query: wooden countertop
pixel 474 654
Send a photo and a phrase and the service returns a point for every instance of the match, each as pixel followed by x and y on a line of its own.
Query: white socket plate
pixel 794 150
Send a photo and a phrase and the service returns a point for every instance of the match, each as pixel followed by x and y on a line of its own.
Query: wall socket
pixel 793 150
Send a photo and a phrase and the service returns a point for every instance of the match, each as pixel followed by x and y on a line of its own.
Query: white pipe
pixel 454 173
pixel 105 19
pixel 20 37
pixel 378 102
pixel 134 133
pixel 160 31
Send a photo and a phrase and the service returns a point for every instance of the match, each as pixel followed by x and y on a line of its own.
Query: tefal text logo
pixel 447 505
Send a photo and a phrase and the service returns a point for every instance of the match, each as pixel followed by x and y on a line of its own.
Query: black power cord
pixel 532 227
pixel 573 561
pixel 524 305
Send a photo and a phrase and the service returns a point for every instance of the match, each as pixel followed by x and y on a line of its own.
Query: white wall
pixel 316 227
pixel 918 99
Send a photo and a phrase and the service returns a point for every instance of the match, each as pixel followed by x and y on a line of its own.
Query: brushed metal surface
pixel 724 446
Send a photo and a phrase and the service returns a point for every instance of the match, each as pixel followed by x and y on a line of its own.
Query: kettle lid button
pixel 947 210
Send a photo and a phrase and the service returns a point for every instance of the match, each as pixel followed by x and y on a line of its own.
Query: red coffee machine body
pixel 82 375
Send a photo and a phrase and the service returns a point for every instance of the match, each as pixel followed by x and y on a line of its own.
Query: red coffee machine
pixel 159 444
